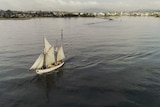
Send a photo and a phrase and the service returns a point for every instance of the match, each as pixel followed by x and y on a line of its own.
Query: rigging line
pixel 48 50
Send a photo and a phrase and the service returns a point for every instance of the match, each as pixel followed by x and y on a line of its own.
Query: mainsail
pixel 47 45
pixel 60 54
pixel 38 63
pixel 49 57
pixel 49 53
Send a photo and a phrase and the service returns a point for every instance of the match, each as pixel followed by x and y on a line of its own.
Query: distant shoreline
pixel 15 18
pixel 24 15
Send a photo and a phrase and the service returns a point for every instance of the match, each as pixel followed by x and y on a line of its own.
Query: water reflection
pixel 47 82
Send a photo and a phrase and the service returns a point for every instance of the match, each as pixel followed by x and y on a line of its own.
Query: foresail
pixel 38 63
pixel 47 45
pixel 49 57
pixel 60 54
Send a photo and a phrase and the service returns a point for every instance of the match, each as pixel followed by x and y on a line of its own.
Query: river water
pixel 109 63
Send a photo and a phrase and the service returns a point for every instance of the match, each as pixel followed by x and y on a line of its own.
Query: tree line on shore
pixel 32 14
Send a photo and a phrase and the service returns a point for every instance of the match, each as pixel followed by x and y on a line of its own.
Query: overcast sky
pixel 75 5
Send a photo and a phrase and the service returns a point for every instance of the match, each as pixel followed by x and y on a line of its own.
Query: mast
pixel 56 49
pixel 60 53
pixel 44 62
pixel 61 37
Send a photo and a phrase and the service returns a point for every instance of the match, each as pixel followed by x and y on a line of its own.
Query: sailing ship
pixel 50 59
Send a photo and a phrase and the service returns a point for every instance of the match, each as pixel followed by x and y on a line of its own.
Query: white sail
pixel 60 54
pixel 49 57
pixel 38 63
pixel 47 45
pixel 49 53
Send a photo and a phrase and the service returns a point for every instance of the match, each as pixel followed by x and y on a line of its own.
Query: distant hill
pixel 92 10
pixel 146 10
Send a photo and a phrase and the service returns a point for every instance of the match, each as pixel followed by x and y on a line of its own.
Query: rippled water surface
pixel 108 63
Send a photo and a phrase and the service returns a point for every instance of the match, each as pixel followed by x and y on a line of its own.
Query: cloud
pixel 46 4
pixel 74 5
pixel 130 4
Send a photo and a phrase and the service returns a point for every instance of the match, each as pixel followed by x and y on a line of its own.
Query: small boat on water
pixel 50 59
